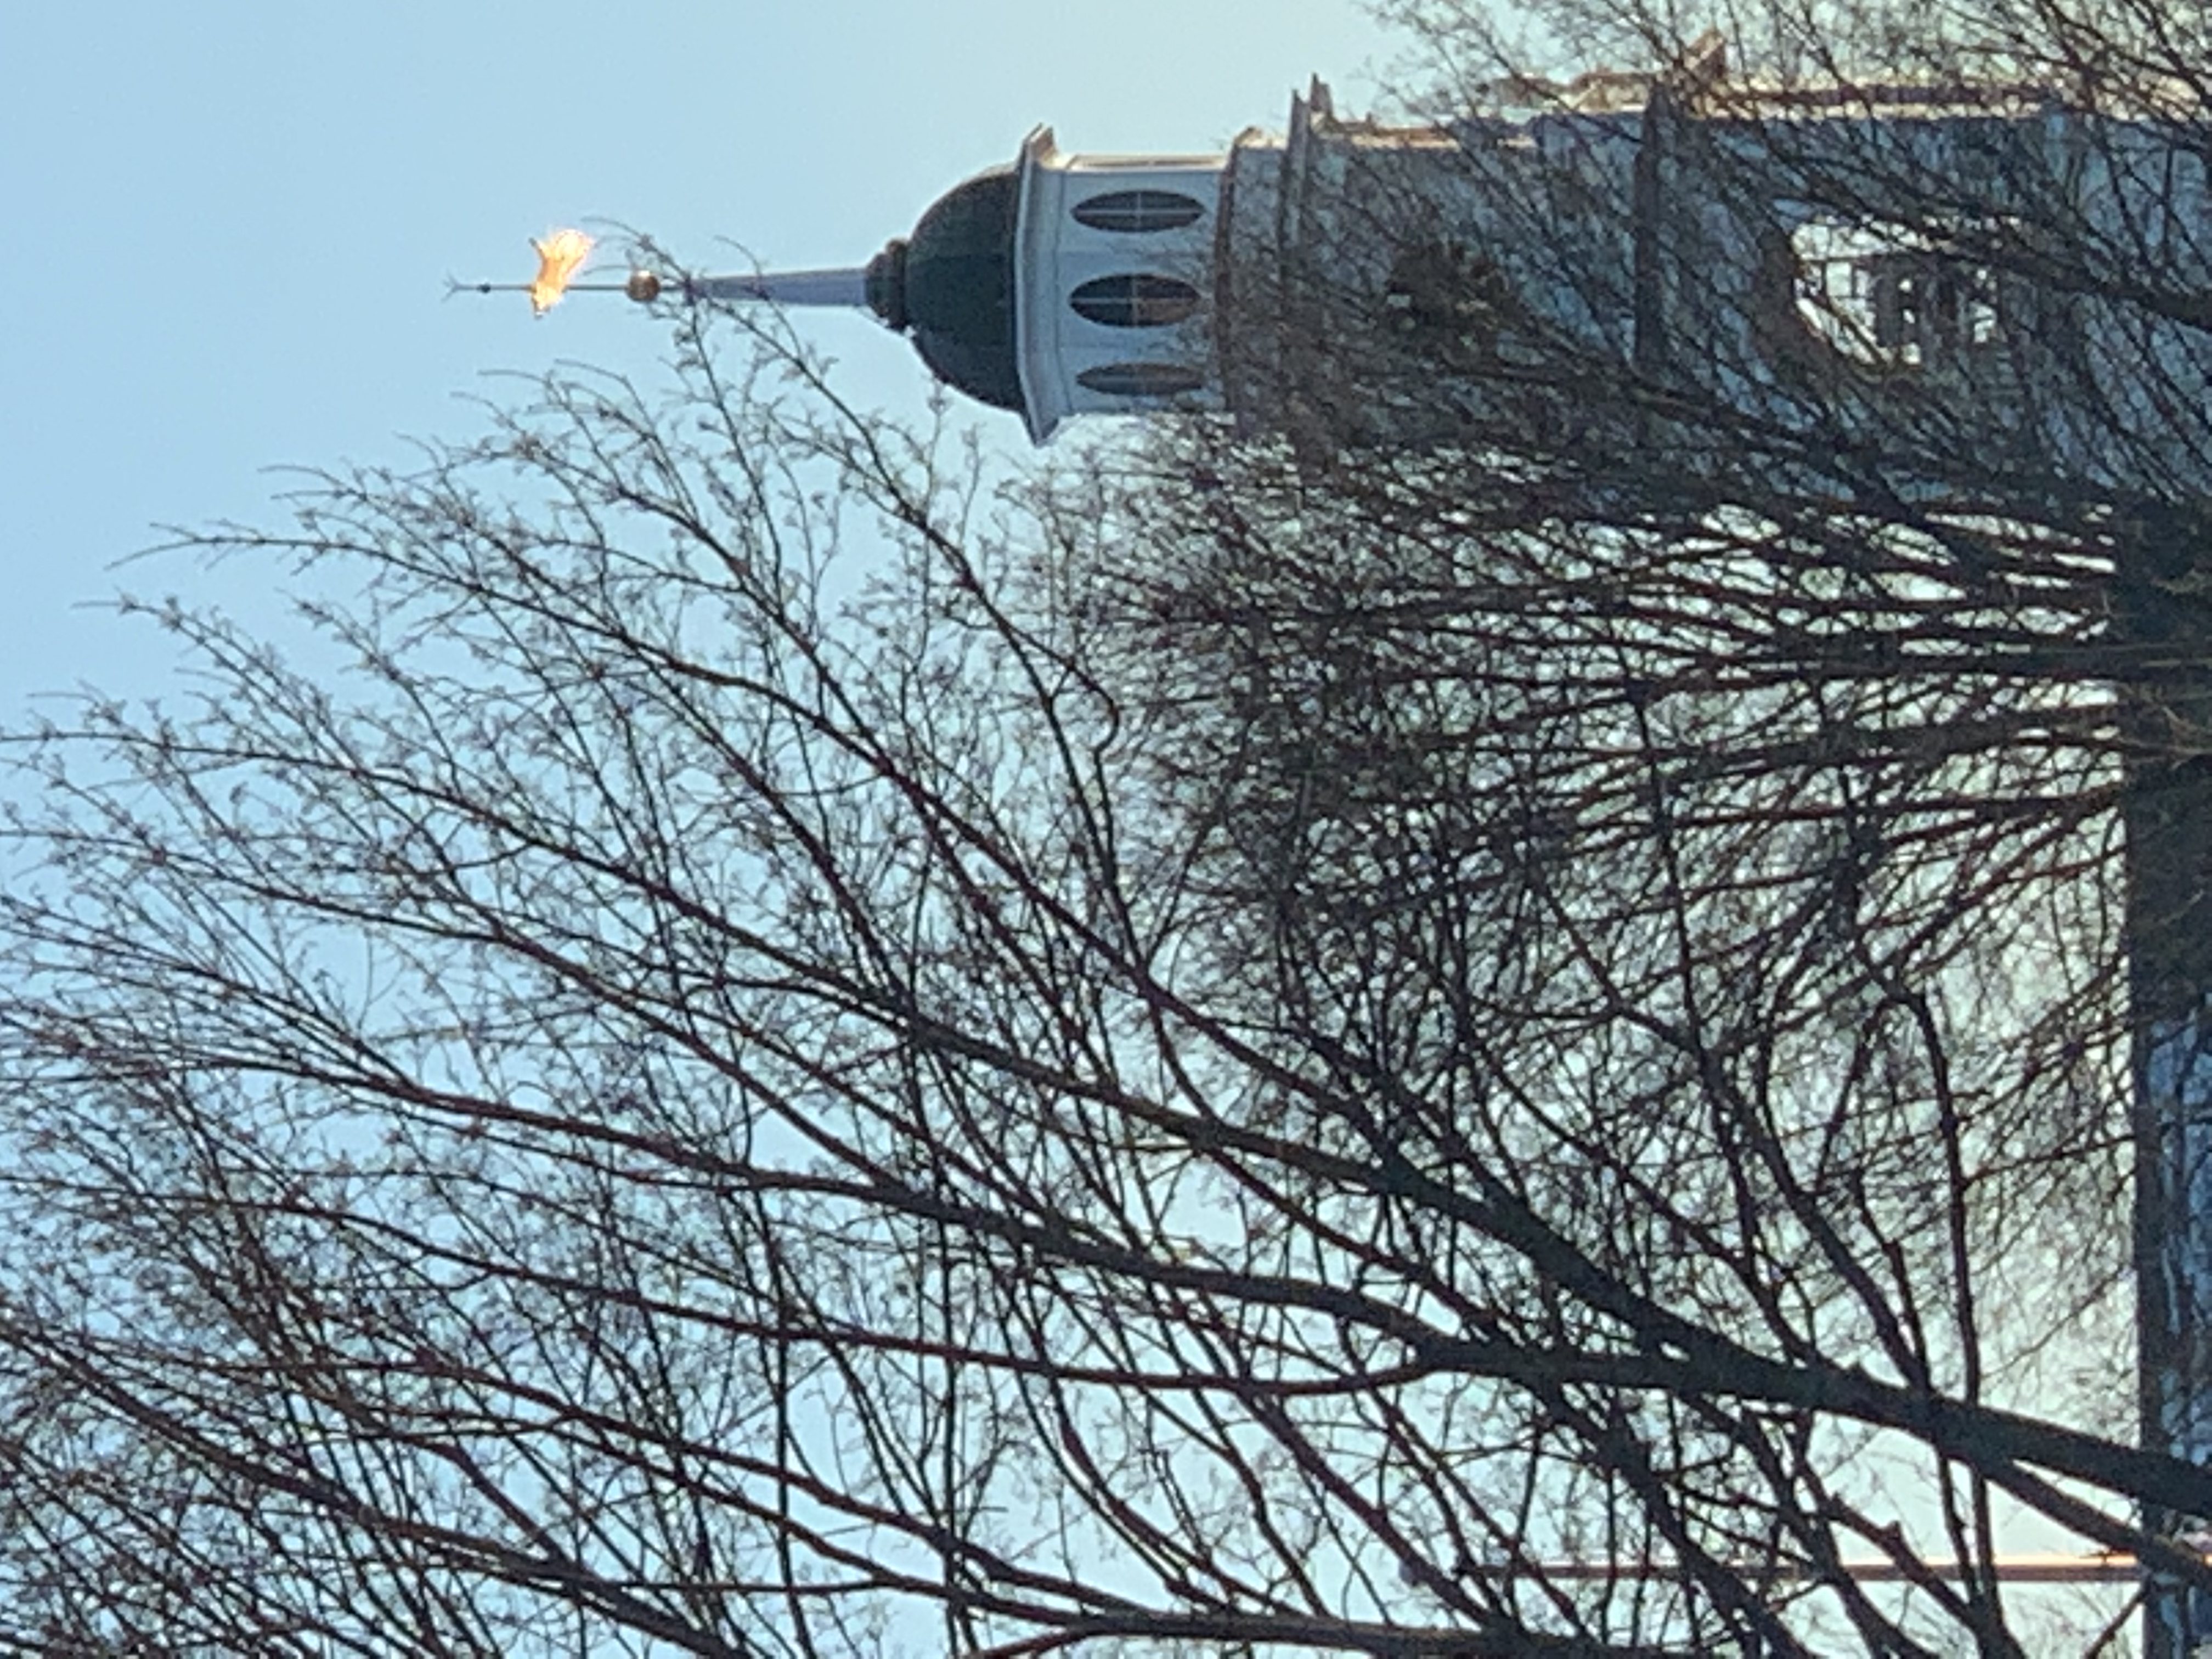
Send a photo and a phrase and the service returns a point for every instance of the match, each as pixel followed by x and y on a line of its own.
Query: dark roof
pixel 950 285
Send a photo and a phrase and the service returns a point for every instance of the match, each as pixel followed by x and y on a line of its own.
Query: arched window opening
pixel 1141 380
pixel 1883 295
pixel 1138 299
pixel 1138 210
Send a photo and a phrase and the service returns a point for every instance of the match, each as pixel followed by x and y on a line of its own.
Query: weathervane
pixel 562 253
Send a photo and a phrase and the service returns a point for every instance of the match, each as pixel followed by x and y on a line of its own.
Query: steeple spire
pixel 560 259
pixel 846 287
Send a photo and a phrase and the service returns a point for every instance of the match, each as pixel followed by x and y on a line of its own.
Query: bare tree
pixel 1834 392
pixel 789 1046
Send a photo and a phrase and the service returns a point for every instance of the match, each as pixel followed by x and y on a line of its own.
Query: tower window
pixel 1138 210
pixel 1141 380
pixel 1138 299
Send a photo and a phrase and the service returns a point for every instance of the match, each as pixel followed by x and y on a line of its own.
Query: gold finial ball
pixel 643 286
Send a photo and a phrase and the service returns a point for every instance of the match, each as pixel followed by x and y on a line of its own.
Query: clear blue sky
pixel 230 219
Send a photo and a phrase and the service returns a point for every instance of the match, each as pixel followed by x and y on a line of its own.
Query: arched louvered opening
pixel 1141 380
pixel 1136 299
pixel 1134 211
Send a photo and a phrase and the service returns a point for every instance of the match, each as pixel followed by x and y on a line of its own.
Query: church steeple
pixel 1492 281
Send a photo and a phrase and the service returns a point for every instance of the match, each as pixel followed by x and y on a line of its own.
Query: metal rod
pixel 525 287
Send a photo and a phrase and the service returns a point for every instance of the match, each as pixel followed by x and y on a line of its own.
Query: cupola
pixel 1052 286
pixel 1063 284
